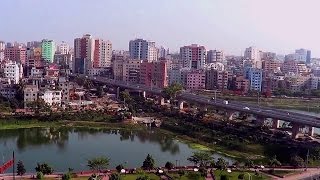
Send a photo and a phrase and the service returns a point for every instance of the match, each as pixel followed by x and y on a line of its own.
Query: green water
pixel 65 148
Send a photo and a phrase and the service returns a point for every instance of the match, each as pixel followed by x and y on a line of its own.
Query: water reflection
pixel 26 138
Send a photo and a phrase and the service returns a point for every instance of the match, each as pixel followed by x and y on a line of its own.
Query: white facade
pixel 216 66
pixel 12 71
pixel 63 48
pixel 215 56
pixel 143 50
pixel 253 54
pixel 51 97
pixel 2 47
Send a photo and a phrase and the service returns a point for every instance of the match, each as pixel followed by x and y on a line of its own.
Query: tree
pixel 20 168
pixel 248 163
pixel 221 164
pixel 66 176
pixel 99 91
pixel 125 95
pixel 201 158
pixel 98 163
pixel 273 162
pixel 296 161
pixel 169 165
pixel 148 163
pixel 119 167
pixel 172 91
pixel 44 168
pixel 115 176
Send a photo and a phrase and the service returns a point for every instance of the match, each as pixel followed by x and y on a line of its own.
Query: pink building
pixel 15 53
pixel 154 74
pixel 196 79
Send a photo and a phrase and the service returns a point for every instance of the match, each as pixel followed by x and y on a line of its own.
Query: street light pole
pixel 215 96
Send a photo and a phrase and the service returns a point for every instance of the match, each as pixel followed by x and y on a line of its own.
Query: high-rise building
pixel 217 79
pixel 154 74
pixel 33 44
pixel 63 48
pixel 253 54
pixel 15 53
pixel 162 52
pixel 48 50
pixel 193 56
pixel 83 54
pixel 13 71
pixel 308 60
pixel 196 79
pixel 255 78
pixel 215 56
pixel 102 53
pixel 141 49
pixel 301 55
pixel 2 48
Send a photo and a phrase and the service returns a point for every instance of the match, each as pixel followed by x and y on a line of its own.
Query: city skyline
pixel 228 25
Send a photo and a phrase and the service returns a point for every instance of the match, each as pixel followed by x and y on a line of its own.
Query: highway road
pixel 263 111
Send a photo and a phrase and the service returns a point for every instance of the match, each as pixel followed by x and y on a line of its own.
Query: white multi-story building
pixel 51 97
pixel 141 49
pixel 215 56
pixel 253 54
pixel 2 48
pixel 102 53
pixel 193 56
pixel 13 71
pixel 216 66
pixel 63 48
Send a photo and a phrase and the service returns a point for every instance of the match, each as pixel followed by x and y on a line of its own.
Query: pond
pixel 64 148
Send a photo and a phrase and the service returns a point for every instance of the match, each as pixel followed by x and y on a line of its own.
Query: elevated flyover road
pixel 267 112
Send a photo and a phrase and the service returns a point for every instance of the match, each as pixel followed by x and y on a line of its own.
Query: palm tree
pixel 273 162
pixel 172 91
pixel 98 163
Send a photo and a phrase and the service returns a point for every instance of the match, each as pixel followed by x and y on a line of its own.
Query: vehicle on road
pixel 226 102
pixel 246 108
pixel 213 98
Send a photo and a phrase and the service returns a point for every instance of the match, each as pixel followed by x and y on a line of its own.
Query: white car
pixel 246 108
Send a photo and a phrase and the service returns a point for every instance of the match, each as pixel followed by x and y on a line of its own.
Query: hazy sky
pixel 232 25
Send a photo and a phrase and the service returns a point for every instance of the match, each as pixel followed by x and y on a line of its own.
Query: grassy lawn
pixel 135 176
pixel 234 175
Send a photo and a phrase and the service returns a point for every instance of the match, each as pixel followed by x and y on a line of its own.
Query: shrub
pixel 224 177
pixel 66 176
pixel 39 175
pixel 241 176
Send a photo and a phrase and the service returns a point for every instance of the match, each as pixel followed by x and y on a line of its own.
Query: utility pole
pixel 215 96
pixel 307 160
